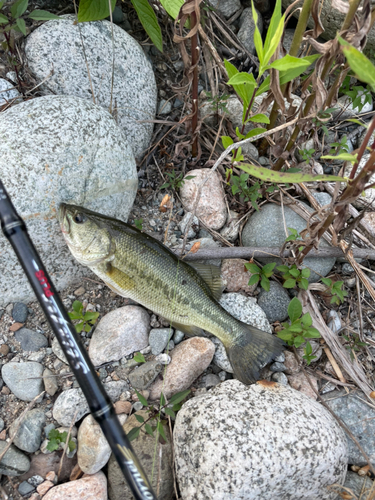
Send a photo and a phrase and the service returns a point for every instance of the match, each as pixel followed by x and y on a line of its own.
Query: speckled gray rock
pixel 2 424
pixel 25 488
pixel 246 310
pixel 232 227
pixel 7 92
pixel 145 374
pixel 178 336
pixel 322 198
pixel 50 382
pixel 20 312
pixel 266 229
pixel 29 434
pixel 30 340
pixel 275 302
pixel 66 405
pixel 114 389
pixel 226 7
pixel 280 377
pixel 23 379
pixel 69 150
pixel 220 357
pixel 262 442
pixel 360 486
pixel 14 462
pixel 247 29
pixel 93 448
pixel 56 349
pixel 119 333
pixel 360 419
pixel 56 45
pixel 158 339
pixel 194 224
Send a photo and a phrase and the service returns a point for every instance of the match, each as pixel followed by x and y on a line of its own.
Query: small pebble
pixel 277 367
pixel 137 406
pixel 20 312
pixel 347 269
pixel 280 377
pixel 178 336
pixel 164 359
pixel 25 488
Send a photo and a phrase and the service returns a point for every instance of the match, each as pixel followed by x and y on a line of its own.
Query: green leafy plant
pixel 56 437
pixel 353 344
pixel 338 148
pixel 307 154
pixel 239 185
pixel 294 236
pixel 356 94
pixel 260 274
pixel 218 101
pixel 12 20
pixel 155 421
pixel 138 223
pixel 299 329
pixel 139 358
pixel 175 181
pixel 308 355
pixel 86 321
pixel 293 276
pixel 334 288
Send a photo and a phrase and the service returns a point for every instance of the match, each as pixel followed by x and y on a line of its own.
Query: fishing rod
pixel 99 403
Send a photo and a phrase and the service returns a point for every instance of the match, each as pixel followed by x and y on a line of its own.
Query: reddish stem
pixel 194 63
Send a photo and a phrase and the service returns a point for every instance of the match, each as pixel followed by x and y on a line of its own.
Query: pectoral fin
pixel 118 282
pixel 211 275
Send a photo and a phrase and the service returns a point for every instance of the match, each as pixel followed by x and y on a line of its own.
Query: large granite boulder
pixel 55 55
pixel 60 149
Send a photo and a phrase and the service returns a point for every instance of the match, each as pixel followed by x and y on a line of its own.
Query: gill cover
pixel 87 240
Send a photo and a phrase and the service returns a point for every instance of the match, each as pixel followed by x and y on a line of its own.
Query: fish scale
pixel 141 268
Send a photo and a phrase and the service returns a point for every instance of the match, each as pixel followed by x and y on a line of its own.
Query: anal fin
pixel 190 330
pixel 212 276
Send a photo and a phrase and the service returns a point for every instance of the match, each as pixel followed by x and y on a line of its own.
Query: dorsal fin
pixel 211 275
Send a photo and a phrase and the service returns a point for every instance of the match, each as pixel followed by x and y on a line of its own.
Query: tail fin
pixel 251 350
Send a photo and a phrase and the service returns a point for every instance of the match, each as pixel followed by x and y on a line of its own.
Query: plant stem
pixel 194 63
pixel 362 149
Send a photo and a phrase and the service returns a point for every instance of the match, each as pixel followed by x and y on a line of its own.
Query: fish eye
pixel 79 218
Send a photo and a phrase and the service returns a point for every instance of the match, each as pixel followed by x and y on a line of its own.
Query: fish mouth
pixel 63 220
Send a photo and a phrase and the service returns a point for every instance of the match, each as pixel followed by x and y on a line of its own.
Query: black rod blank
pixel 99 403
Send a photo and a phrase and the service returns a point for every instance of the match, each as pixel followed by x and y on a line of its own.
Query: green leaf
pixel 3 19
pixel 149 430
pixel 176 407
pixel 74 315
pixel 161 431
pixel 253 268
pixel 295 327
pixel 172 7
pixel 139 358
pixel 243 91
pixel 180 396
pixel 268 267
pixel 133 433
pixel 308 349
pixel 77 306
pixel 294 309
pixel 79 327
pixel 304 284
pixel 283 269
pixel 265 284
pixel 273 176
pixel 141 398
pixel 305 272
pixel 242 78
pixel 52 445
pixel 291 74
pixel 162 400
pixel 259 118
pixel 1 4
pixel 42 15
pixel 257 36
pixel 53 434
pixel 87 327
pixel 254 132
pixel 89 316
pixel 71 445
pixel 226 141
pixel 139 418
pixel 170 412
pixel 306 320
pixel 94 10
pixel 299 340
pixel 254 279
pixel 359 63
pixel 289 62
pixel 18 8
pixel 327 281
pixel 149 21
pixel 285 335
pixel 264 86
pixel 289 283
pixel 274 42
pixel 342 156
pixel 312 333
pixel 294 272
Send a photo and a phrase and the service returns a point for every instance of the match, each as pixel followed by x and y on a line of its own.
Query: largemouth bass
pixel 141 268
